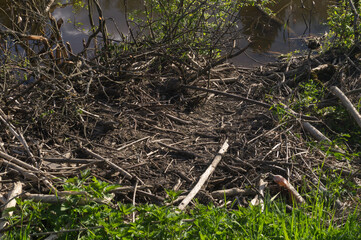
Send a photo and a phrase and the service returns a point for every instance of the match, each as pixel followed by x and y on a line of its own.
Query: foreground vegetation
pixel 73 220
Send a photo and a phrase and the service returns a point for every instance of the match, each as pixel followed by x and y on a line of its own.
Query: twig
pixel 121 170
pixel 19 136
pixel 218 62
pixel 356 16
pixel 18 162
pixel 315 133
pixel 231 192
pixel 60 198
pixel 347 104
pixel 150 195
pixel 178 119
pixel 49 5
pixel 183 152
pixel 90 14
pixel 23 171
pixel 134 194
pixel 129 188
pixel 71 160
pixel 102 25
pixel 132 143
pixel 230 95
pixel 204 176
pixel 264 134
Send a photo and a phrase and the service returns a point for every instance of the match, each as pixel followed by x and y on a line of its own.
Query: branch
pixel 347 104
pixel 204 176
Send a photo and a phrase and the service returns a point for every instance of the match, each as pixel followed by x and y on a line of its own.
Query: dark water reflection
pixel 296 19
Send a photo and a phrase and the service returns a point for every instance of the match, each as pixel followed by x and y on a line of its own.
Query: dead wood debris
pixel 134 121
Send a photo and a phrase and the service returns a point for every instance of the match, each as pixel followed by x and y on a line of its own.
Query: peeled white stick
pixel 316 134
pixel 204 176
pixel 18 187
pixel 347 104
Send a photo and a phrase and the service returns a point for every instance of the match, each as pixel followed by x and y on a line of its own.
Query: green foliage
pixel 281 112
pixel 198 27
pixel 310 93
pixel 341 23
pixel 102 221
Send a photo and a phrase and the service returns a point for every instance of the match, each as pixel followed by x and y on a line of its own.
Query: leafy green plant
pixel 196 27
pixel 342 25
pixel 94 220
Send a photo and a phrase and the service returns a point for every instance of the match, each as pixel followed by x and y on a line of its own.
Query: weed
pixel 100 221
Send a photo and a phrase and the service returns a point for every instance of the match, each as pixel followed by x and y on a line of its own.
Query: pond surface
pixel 296 20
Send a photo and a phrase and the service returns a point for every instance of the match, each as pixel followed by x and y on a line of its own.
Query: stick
pixel 132 143
pixel 23 171
pixel 292 191
pixel 315 133
pixel 347 104
pixel 204 176
pixel 19 136
pixel 54 199
pixel 231 192
pixel 230 95
pixel 18 162
pixel 134 194
pixel 71 160
pixel 121 170
pixel 182 152
pixel 48 6
pixel 129 188
pixel 18 187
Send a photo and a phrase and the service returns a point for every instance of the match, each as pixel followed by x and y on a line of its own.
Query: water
pixel 296 20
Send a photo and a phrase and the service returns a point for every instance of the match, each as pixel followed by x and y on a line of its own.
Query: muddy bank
pixel 157 133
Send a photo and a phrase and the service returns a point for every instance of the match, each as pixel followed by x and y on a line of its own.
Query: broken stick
pixel 121 170
pixel 18 187
pixel 347 104
pixel 204 176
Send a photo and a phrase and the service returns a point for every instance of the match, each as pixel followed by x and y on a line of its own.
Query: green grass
pixel 315 220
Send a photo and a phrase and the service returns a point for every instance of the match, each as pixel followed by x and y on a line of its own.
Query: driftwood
pixel 204 176
pixel 347 104
pixel 17 189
